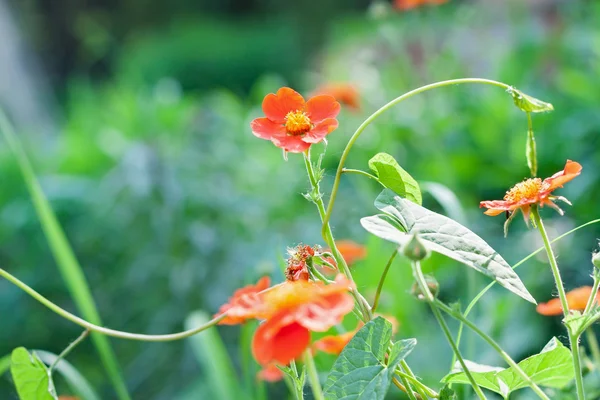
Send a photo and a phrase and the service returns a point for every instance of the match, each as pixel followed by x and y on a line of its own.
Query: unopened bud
pixel 432 284
pixel 415 249
pixel 527 103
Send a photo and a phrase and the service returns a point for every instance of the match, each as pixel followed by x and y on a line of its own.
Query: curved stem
pixel 363 173
pixel 405 387
pixel 573 336
pixel 495 346
pixel 421 388
pixel 328 236
pixel 420 278
pixel 375 115
pixel 106 331
pixel 593 294
pixel 313 376
pixel 382 280
pixel 69 348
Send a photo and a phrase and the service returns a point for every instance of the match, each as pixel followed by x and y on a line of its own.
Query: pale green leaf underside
pixel 394 177
pixel 553 367
pixel 442 235
pixel 30 376
pixel 360 372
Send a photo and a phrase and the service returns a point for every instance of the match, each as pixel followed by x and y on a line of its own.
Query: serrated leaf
pixel 31 376
pixel 442 235
pixel 552 367
pixel 393 177
pixel 529 104
pixel 360 372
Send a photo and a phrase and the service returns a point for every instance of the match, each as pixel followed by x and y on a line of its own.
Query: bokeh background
pixel 136 114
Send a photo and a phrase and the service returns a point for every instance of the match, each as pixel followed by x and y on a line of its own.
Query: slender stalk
pixel 374 116
pixel 522 261
pixel 328 236
pixel 298 386
pixel 363 173
pixel 495 346
pixel 420 278
pixel 313 376
pixel 593 294
pixel 405 388
pixel 382 280
pixel 413 380
pixel 69 348
pixel 573 336
pixel 106 331
pixel 420 387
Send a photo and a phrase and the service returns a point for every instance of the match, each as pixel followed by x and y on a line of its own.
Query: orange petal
pixel 571 170
pixel 345 93
pixel 270 373
pixel 333 344
pixel 280 339
pixel 351 251
pixel 244 304
pixel 576 299
pixel 277 106
pixel 322 107
pixel 293 144
pixel 264 128
pixel 322 129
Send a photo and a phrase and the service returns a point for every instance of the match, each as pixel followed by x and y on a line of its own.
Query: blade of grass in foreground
pixel 67 263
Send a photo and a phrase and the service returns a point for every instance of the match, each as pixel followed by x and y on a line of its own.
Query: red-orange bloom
pixel 533 191
pixel 351 251
pixel 576 299
pixel 410 4
pixel 294 309
pixel 293 124
pixel 244 302
pixel 345 93
pixel 270 373
pixel 334 344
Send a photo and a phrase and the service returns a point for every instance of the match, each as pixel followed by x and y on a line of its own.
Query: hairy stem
pixel 313 376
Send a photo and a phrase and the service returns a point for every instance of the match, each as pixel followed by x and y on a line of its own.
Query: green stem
pixel 495 346
pixel 573 336
pixel 405 387
pixel 313 376
pixel 298 383
pixel 106 331
pixel 374 116
pixel 421 388
pixel 593 294
pixel 363 173
pixel 522 261
pixel 593 344
pixel 382 280
pixel 420 278
pixel 413 380
pixel 530 147
pixel 70 347
pixel 328 236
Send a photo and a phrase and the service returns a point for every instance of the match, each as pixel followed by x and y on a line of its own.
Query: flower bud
pixel 415 249
pixel 432 284
pixel 527 103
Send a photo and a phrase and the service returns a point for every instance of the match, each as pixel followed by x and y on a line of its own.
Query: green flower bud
pixel 415 249
pixel 527 103
pixel 432 284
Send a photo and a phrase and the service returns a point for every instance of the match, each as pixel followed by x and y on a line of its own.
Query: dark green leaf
pixel 393 177
pixel 31 376
pixel 442 235
pixel 360 372
pixel 552 367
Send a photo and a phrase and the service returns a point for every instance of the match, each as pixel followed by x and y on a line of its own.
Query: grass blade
pixel 67 263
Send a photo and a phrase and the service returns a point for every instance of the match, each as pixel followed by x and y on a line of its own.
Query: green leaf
pixel 393 177
pixel 78 384
pixel 212 355
pixel 65 258
pixel 527 103
pixel 552 367
pixel 360 372
pixel 448 394
pixel 31 376
pixel 441 235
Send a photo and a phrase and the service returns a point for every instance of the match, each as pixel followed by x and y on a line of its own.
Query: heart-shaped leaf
pixel 441 235
pixel 552 367
pixel 31 376
pixel 393 177
pixel 361 372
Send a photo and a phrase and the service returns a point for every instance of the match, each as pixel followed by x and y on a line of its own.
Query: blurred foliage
pixel 170 203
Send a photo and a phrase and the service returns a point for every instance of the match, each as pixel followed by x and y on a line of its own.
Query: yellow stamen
pixel 528 189
pixel 297 123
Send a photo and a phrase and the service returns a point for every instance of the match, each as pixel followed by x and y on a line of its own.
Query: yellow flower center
pixel 528 189
pixel 297 123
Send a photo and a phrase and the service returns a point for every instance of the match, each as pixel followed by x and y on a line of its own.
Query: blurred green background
pixel 136 116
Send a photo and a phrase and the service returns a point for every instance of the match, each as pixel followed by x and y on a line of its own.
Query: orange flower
pixel 294 309
pixel 576 299
pixel 533 191
pixel 334 344
pixel 410 4
pixel 297 268
pixel 244 302
pixel 345 93
pixel 351 251
pixel 270 373
pixel 293 124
